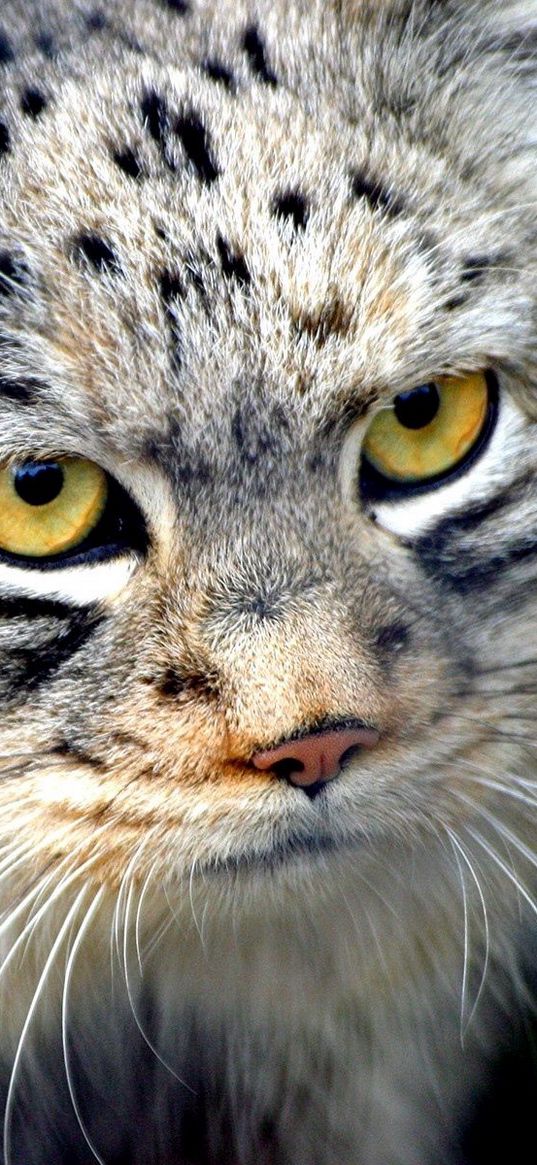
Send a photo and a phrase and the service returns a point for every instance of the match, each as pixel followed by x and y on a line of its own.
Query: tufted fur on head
pixel 231 234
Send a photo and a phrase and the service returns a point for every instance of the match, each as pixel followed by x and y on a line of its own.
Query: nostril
pixel 289 769
pixel 349 755
pixel 286 768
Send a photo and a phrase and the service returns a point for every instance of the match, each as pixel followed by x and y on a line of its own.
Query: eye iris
pixel 38 483
pixel 50 507
pixel 416 409
pixel 429 432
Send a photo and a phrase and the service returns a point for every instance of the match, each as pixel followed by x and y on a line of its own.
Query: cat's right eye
pixel 428 435
pixel 57 511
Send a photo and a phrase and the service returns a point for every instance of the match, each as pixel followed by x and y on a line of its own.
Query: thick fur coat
pixel 231 233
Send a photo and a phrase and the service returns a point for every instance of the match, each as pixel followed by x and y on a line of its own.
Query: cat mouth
pixel 290 851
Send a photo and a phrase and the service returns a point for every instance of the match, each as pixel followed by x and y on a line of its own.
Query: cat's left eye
pixel 52 510
pixel 428 434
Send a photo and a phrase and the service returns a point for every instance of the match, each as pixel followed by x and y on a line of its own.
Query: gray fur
pixel 231 233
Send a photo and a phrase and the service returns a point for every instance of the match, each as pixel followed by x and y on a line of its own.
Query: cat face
pixel 213 299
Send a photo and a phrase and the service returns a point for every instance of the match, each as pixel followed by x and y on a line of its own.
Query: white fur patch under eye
pixel 507 453
pixel 80 585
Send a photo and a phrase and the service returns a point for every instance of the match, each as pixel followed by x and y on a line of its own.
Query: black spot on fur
pixel 378 196
pixel 334 318
pixel 6 50
pixel 195 141
pixel 172 289
pixel 46 44
pixel 127 161
pixel 33 102
pixel 233 264
pixel 174 683
pixel 455 302
pixel 179 6
pixel 391 638
pixel 218 72
pixel 97 251
pixel 18 391
pixel 255 50
pixel 96 21
pixel 291 205
pixel 155 115
pixel 476 267
pixel 260 436
pixel 5 139
pixel 14 274
pixel 157 121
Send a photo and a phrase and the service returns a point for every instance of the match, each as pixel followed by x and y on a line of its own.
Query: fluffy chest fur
pixel 242 249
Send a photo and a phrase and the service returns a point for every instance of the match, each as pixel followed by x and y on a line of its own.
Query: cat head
pixel 218 297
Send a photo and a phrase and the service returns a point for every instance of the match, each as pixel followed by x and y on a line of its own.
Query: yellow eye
pixel 429 431
pixel 48 507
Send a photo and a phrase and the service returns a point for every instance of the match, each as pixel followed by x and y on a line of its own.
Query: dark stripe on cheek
pixel 448 554
pixel 67 748
pixel 468 574
pixel 474 516
pixel 20 607
pixel 24 669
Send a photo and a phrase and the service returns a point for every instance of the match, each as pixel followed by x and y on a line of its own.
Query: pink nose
pixel 317 757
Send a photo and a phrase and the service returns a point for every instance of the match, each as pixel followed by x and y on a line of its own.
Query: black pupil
pixel 416 409
pixel 38 482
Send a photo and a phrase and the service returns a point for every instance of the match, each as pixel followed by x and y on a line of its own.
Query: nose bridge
pixel 299 669
pixel 281 643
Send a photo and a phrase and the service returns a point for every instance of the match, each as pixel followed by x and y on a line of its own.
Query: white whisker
pixel 31 925
pixel 41 984
pixel 512 877
pixel 82 931
pixel 131 998
pixel 461 853
pixel 138 919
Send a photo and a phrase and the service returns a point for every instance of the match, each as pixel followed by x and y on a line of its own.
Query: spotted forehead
pixel 169 240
